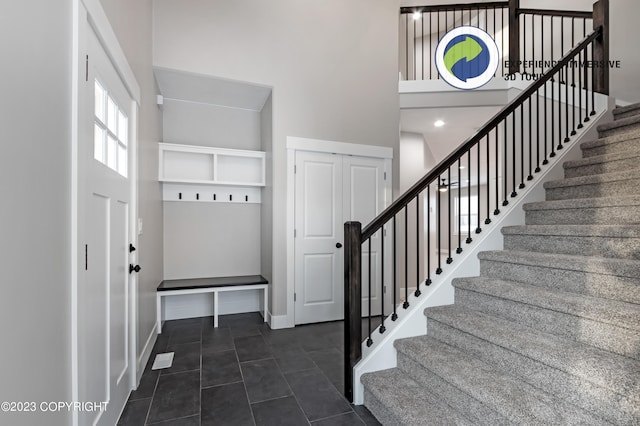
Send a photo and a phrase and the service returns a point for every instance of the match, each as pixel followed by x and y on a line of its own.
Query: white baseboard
pixel 278 321
pixel 143 359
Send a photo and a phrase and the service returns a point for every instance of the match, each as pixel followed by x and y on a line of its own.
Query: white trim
pixel 278 321
pixel 106 35
pixel 145 354
pixel 317 145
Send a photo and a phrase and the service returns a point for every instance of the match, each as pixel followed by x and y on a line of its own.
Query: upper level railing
pixel 421 232
pixel 528 40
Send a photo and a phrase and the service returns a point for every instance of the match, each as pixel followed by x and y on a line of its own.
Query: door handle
pixel 134 268
pixel 338 245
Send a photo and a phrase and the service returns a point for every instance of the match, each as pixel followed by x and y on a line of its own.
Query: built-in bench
pixel 210 285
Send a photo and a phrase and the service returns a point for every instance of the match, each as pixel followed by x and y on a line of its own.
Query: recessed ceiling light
pixel 439 123
pixel 461 167
pixel 417 15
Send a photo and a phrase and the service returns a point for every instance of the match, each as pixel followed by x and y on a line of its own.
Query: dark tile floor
pixel 244 373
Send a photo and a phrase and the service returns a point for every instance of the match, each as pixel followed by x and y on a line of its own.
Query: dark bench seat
pixel 213 285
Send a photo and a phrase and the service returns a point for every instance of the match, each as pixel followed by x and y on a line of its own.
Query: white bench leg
pixel 215 309
pixel 266 302
pixel 158 313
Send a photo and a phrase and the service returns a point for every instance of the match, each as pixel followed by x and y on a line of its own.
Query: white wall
pixel 211 239
pixel 132 23
pixel 210 125
pixel 35 244
pixel 332 66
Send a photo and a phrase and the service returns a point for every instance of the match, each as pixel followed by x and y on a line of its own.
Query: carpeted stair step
pixel 482 393
pixel 395 399
pixel 626 111
pixel 616 143
pixel 595 380
pixel 607 163
pixel 615 279
pixel 618 184
pixel 629 125
pixel 606 324
pixel 616 241
pixel 584 211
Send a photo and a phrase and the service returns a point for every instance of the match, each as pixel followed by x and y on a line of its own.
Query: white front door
pixel 103 292
pixel 331 189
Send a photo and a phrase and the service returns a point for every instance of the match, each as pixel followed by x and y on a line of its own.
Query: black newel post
pixel 514 37
pixel 601 47
pixel 352 302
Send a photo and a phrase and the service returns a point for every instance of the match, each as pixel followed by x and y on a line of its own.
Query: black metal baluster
pixel 523 36
pixel 546 141
pixel 537 170
pixel 502 36
pixel 542 40
pixel 580 89
pixel 566 104
pixel 586 84
pixel 553 129
pixel 394 315
pixel 369 340
pixel 468 240
pixel 382 287
pixel 488 219
pixel 459 206
pixel 406 76
pixel 530 177
pixel 513 159
pixel 422 38
pixel 449 259
pixel 505 172
pixel 430 44
pixel 573 81
pixel 496 211
pixel 437 73
pixel 521 147
pixel 533 45
pixel 428 235
pixel 439 226
pixel 593 81
pixel 494 36
pixel 417 293
pixel 405 305
pixel 415 53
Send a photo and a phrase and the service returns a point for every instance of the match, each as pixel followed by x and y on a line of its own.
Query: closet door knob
pixel 338 245
pixel 134 268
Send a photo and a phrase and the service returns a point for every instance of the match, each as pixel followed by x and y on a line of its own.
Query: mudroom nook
pixel 213 170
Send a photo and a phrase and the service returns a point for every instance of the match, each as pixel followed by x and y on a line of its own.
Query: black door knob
pixel 338 245
pixel 134 268
pixel 131 248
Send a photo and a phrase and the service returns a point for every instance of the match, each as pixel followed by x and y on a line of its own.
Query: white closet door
pixel 363 200
pixel 319 232
pixel 331 189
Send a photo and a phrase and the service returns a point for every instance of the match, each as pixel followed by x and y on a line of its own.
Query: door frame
pixel 320 146
pixel 85 13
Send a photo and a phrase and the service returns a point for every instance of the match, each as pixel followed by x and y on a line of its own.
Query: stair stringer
pixel 412 322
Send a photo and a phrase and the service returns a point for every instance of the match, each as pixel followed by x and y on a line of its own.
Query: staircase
pixel 549 333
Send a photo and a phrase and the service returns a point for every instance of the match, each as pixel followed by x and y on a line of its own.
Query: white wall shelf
pixel 208 174
pixel 210 166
